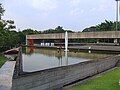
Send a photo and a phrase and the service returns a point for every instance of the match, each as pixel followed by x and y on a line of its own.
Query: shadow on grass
pixel 107 81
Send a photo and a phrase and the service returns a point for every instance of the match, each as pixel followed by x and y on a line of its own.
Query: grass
pixel 2 60
pixel 107 81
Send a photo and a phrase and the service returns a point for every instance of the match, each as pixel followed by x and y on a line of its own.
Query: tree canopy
pixel 104 26
pixel 58 29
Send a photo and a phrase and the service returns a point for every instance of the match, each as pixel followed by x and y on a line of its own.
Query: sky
pixel 70 14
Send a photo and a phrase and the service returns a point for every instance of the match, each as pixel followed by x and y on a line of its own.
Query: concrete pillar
pixel 115 41
pixel 26 39
pixel 97 40
pixel 30 42
pixel 43 43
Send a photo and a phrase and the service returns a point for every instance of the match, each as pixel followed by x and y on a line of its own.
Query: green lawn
pixel 2 60
pixel 108 81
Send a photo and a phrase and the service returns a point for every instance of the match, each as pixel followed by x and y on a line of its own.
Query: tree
pixel 104 26
pixel 90 29
pixel 58 29
pixel 22 34
pixel 8 36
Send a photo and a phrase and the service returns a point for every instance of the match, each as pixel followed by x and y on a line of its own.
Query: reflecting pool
pixel 35 59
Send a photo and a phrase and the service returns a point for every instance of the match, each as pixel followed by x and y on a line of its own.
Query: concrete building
pixel 74 38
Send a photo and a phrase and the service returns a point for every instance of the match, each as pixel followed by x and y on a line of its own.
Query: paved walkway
pixel 6 74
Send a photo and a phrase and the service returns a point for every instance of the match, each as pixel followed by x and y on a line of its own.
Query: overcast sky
pixel 71 14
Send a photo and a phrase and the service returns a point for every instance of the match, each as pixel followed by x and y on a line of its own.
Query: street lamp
pixel 117 19
pixel 1 10
pixel 117 13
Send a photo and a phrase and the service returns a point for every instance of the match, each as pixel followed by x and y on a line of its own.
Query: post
pixel 0 11
pixel 117 19
pixel 66 41
pixel 117 12
pixel 20 60
pixel 26 39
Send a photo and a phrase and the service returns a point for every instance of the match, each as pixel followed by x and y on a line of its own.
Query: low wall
pixel 58 77
pixel 96 48
pixel 7 70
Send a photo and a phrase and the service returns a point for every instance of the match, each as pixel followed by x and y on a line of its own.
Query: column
pixel 98 41
pixel 115 41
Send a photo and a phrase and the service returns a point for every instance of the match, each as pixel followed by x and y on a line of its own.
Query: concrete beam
pixel 81 35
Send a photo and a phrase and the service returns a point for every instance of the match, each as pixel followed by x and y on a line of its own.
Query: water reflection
pixel 35 59
pixel 60 53
pixel 66 57
pixel 89 51
pixel 59 56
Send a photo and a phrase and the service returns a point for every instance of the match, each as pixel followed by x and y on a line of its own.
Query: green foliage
pixel 105 26
pixel 22 34
pixel 2 60
pixel 108 81
pixel 8 37
pixel 58 29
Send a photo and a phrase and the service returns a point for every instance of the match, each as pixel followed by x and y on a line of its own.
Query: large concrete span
pixel 81 35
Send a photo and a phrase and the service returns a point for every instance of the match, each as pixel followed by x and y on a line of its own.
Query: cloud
pixel 105 6
pixel 43 14
pixel 74 2
pixel 92 10
pixel 44 5
pixel 76 12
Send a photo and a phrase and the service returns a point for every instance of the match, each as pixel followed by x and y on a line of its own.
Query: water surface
pixel 35 59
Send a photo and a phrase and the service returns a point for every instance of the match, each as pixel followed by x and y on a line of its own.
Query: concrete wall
pixel 104 34
pixel 58 77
